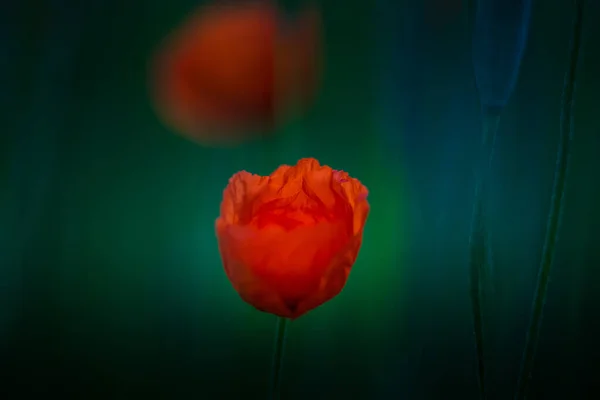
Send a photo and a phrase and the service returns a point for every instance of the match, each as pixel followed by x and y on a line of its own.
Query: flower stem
pixel 560 181
pixel 480 262
pixel 280 336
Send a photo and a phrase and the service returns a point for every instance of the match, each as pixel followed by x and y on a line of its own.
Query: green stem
pixel 479 246
pixel 560 180
pixel 280 336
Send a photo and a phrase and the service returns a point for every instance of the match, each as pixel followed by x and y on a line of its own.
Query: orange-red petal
pixel 283 271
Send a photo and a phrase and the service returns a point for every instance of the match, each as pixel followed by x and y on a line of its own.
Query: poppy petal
pixel 289 240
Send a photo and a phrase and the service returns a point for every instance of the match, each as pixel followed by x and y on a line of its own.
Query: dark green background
pixel 111 285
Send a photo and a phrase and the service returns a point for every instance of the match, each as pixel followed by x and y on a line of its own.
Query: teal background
pixel 111 285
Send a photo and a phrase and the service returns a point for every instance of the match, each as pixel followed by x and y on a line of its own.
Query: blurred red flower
pixel 236 68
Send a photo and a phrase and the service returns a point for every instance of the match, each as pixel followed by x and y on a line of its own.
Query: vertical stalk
pixel 280 337
pixel 554 216
pixel 479 254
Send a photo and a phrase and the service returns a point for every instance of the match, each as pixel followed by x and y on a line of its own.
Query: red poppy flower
pixel 236 68
pixel 289 240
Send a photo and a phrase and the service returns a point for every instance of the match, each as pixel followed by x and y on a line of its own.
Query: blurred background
pixel 111 284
